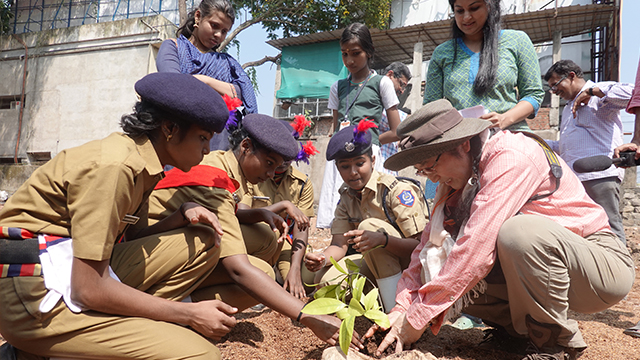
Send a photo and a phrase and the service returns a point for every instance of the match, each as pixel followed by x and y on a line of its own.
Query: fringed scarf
pixel 434 255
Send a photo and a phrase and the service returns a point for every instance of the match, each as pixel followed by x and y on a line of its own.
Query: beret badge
pixel 349 146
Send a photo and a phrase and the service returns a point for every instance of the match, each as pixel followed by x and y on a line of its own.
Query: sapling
pixel 348 301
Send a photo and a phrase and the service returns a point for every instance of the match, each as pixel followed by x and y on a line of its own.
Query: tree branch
pixel 240 27
pixel 273 59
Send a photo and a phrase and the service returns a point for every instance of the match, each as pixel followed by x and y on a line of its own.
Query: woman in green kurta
pixel 484 65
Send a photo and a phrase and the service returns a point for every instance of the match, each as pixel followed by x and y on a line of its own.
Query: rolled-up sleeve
pixel 529 79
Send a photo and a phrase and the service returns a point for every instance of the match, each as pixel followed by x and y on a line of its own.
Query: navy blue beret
pixel 288 126
pixel 343 145
pixel 271 134
pixel 186 97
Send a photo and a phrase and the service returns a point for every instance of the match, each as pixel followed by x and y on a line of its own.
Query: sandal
pixel 633 331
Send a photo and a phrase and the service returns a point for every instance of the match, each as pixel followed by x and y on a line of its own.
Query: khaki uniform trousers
pixel 378 263
pixel 220 286
pixel 261 241
pixel 284 260
pixel 548 270
pixel 170 265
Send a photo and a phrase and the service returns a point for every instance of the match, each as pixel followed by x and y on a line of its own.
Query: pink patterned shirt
pixel 512 169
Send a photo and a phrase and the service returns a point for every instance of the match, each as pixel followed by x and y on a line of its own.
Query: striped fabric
pixel 15 233
pixel 11 270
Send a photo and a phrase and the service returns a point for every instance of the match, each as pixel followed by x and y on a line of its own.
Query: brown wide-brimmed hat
pixel 435 128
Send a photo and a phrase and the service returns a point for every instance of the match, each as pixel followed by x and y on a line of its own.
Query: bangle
pixel 233 91
pixel 184 216
pixel 386 241
pixel 324 261
pixel 300 313
pixel 590 91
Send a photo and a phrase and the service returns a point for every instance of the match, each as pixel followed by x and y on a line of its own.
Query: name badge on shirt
pixel 344 123
pixel 130 219
pixel 261 198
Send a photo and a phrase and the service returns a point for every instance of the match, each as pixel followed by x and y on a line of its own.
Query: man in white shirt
pixel 590 126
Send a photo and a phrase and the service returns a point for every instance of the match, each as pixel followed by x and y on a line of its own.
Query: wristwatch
pixel 590 91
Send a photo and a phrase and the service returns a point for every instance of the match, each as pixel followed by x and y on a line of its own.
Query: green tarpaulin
pixel 310 70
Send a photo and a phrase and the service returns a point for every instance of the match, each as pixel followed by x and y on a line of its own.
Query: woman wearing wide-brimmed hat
pixel 531 242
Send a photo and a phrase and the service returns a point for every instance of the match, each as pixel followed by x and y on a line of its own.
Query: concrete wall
pixel 79 82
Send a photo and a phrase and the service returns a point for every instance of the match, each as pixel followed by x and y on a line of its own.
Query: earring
pixel 195 25
pixel 169 137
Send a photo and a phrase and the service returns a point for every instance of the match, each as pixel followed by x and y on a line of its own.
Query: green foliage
pixel 300 17
pixel 5 16
pixel 349 290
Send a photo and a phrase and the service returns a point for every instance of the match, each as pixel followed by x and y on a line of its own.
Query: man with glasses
pixel 400 75
pixel 591 125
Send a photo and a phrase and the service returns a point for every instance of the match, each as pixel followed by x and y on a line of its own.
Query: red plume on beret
pixel 361 129
pixel 306 152
pixel 300 123
pixel 232 104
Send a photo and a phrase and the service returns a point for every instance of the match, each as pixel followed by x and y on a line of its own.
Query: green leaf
pixel 377 316
pixel 370 300
pixel 328 291
pixel 346 333
pixel 323 306
pixel 358 287
pixel 354 305
pixel 338 267
pixel 351 266
pixel 343 313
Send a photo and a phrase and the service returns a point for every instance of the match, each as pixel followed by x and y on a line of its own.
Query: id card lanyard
pixel 346 121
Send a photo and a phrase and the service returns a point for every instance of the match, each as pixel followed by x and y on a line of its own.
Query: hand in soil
pixel 326 327
pixel 402 333
pixel 211 318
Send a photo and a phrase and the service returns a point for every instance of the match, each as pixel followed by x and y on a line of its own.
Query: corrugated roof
pixel 397 44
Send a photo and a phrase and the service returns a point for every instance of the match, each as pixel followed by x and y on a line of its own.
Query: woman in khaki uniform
pixel 290 195
pixel 360 225
pixel 120 300
pixel 259 146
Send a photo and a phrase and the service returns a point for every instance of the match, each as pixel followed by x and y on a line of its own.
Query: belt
pixel 19 253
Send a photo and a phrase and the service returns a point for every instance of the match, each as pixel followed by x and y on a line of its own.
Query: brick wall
pixel 541 121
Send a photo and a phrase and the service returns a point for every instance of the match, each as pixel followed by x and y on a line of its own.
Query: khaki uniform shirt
pixel 85 192
pixel 219 200
pixel 227 161
pixel 295 187
pixel 404 201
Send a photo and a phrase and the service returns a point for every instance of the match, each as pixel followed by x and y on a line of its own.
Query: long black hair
pixel 146 119
pixel 206 7
pixel 486 77
pixel 361 34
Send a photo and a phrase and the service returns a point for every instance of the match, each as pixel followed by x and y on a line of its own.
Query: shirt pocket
pixel 408 225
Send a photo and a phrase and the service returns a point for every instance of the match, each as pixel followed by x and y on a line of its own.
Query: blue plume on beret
pixel 186 97
pixel 271 134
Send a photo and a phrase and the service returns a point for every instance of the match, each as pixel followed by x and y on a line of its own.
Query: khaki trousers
pixel 377 264
pixel 261 241
pixel 220 286
pixel 168 265
pixel 381 262
pixel 548 270
pixel 284 260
